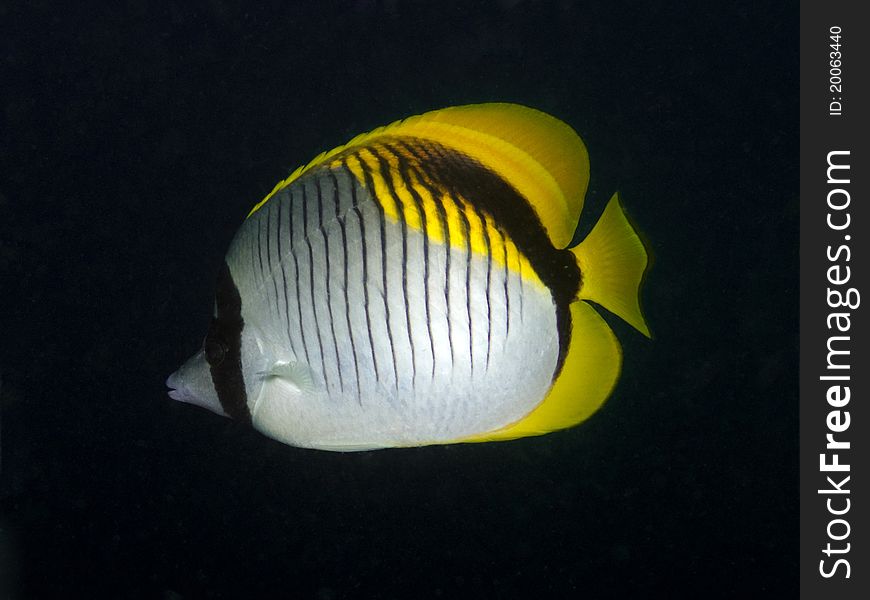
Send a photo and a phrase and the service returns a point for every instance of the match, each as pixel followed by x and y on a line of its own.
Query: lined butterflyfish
pixel 415 286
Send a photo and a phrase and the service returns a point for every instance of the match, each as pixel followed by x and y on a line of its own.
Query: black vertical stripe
pixel 311 283
pixel 260 244
pixel 466 225
pixel 328 281
pixel 254 269
pixel 488 243
pixel 370 185
pixel 507 297
pixel 430 184
pixel 522 284
pixel 272 275
pixel 225 331
pixel 269 207
pixel 279 234
pixel 298 286
pixel 459 202
pixel 341 223
pixel 281 202
pixel 406 176
pixel 436 153
pixel 365 264
pixel 387 176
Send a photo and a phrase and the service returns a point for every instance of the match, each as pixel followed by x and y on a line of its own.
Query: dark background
pixel 135 138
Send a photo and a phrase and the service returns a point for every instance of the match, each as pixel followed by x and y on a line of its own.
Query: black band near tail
pixel 223 348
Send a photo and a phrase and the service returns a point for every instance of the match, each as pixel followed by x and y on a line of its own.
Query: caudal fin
pixel 612 261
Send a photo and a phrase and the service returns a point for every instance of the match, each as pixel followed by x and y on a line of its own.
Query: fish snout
pixel 177 390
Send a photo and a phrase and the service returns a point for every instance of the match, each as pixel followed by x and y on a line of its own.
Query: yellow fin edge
pixel 588 376
pixel 540 155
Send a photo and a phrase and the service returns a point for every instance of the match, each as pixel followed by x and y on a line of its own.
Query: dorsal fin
pixel 542 157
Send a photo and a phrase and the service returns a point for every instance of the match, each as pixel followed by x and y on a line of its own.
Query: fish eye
pixel 215 350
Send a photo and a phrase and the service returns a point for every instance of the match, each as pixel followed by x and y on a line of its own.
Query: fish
pixel 415 286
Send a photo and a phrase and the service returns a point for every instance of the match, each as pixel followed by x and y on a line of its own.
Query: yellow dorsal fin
pixel 587 377
pixel 542 157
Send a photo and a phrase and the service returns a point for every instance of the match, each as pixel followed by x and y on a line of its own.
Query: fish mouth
pixel 176 389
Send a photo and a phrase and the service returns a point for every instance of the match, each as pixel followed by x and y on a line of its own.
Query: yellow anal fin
pixel 587 377
pixel 612 262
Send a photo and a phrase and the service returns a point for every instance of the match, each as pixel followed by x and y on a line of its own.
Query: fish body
pixel 412 287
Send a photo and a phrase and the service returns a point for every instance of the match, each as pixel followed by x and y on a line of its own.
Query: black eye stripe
pixel 215 349
pixel 224 342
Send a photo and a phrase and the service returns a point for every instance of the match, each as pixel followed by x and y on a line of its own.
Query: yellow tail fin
pixel 612 260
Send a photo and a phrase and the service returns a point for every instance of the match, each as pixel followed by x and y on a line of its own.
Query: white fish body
pixel 397 292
